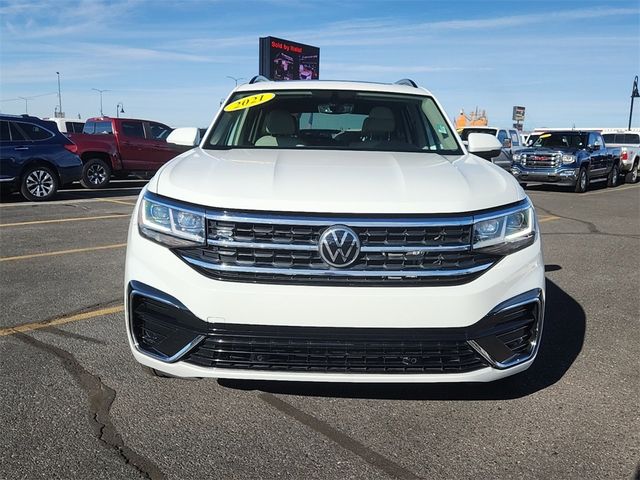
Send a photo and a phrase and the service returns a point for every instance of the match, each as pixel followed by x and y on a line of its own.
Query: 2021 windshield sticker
pixel 248 102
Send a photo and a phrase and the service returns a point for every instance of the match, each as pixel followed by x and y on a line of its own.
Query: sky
pixel 568 62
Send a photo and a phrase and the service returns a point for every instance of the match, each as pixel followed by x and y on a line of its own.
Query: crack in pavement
pixel 100 398
pixel 391 468
pixel 75 336
pixel 593 229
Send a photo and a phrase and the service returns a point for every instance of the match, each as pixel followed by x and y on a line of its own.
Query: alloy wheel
pixel 40 183
pixel 96 174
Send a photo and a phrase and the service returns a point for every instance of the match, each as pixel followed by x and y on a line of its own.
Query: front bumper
pixel 417 316
pixel 557 175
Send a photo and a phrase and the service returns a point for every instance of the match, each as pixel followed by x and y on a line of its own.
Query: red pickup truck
pixel 121 146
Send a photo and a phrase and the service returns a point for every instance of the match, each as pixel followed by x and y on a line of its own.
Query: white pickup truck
pixel 629 143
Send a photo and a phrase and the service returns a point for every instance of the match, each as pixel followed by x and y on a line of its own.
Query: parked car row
pixel 118 147
pixel 37 156
pixel 573 158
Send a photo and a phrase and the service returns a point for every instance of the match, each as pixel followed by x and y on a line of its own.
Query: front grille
pixel 335 350
pixel 541 161
pixel 283 249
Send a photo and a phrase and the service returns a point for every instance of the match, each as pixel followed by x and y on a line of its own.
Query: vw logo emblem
pixel 339 246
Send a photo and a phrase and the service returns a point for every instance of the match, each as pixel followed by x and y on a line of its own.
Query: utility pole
pixel 235 79
pixel 119 109
pixel 59 97
pixel 26 104
pixel 101 92
pixel 634 94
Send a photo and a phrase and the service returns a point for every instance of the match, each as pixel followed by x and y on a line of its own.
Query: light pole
pixel 235 79
pixel 634 94
pixel 26 104
pixel 59 96
pixel 101 92
pixel 119 109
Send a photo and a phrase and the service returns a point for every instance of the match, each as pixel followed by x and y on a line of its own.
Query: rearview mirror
pixel 186 136
pixel 484 145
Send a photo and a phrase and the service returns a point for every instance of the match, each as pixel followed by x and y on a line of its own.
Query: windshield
pixel 561 140
pixel 464 133
pixel 333 119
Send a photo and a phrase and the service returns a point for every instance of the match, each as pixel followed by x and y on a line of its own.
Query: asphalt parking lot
pixel 76 405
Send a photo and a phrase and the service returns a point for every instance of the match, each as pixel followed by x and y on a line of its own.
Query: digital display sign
pixel 518 114
pixel 285 60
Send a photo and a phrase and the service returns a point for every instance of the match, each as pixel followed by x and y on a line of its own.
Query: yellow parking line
pixel 117 201
pixel 61 220
pixel 28 327
pixel 63 252
pixel 547 218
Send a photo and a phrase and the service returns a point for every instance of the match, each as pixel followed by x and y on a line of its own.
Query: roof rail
pixel 259 78
pixel 406 81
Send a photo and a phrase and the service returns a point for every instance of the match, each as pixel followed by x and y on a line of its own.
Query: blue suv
pixel 35 158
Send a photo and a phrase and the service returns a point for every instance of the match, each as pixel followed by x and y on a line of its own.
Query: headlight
pixel 505 233
pixel 170 223
pixel 568 158
pixel 517 157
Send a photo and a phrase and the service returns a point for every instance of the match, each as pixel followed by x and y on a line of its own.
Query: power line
pixel 28 98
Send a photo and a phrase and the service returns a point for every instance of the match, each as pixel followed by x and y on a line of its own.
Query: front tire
pixel 614 176
pixel 582 182
pixel 96 173
pixel 39 183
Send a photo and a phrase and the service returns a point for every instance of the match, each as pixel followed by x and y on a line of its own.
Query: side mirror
pixel 484 145
pixel 506 143
pixel 593 147
pixel 186 136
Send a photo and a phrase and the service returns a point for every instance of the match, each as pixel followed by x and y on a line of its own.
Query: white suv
pixel 334 231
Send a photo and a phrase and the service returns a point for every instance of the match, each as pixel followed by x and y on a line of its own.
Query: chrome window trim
pixel 336 272
pixel 35 124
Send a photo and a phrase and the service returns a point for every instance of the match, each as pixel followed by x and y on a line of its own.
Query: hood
pixel 336 181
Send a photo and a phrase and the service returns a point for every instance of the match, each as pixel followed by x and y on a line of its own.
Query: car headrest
pixel 380 120
pixel 279 122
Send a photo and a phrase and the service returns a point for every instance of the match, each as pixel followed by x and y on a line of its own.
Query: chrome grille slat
pixel 284 248
pixel 541 161
pixel 332 272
